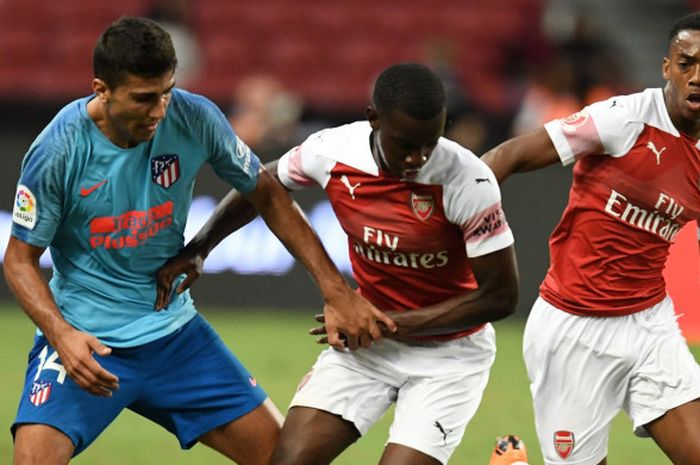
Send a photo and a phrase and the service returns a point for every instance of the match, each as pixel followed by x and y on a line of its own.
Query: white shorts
pixel 437 387
pixel 584 370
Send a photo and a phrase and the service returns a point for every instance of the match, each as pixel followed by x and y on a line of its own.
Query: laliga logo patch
pixel 572 122
pixel 41 390
pixel 422 205
pixel 564 443
pixel 24 210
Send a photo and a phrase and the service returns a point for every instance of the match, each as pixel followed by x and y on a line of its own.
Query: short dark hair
pixel 132 45
pixel 413 88
pixel 687 22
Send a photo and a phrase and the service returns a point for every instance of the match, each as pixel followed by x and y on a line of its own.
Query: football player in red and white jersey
pixel 429 245
pixel 603 336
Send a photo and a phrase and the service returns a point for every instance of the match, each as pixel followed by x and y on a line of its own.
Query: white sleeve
pixel 302 166
pixel 603 128
pixel 474 204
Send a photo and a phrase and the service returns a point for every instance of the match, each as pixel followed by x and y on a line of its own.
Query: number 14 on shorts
pixel 49 362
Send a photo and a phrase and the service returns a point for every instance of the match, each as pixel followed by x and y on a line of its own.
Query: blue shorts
pixel 189 382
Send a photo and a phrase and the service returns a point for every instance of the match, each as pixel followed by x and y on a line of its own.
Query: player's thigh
pixel 261 427
pixel 440 396
pixel 313 437
pixel 195 384
pixel 357 386
pixel 50 397
pixel 431 416
pixel 667 375
pixel 672 430
pixel 37 444
pixel 579 369
pixel 665 388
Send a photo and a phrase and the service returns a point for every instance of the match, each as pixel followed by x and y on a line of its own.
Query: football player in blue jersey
pixel 106 187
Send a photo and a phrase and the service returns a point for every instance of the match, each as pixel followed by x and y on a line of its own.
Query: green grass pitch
pixel 276 348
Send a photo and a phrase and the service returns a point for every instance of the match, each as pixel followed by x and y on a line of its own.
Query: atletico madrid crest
pixel 165 170
pixel 564 443
pixel 41 390
pixel 422 205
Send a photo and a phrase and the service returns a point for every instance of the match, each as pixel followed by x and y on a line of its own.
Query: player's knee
pixel 41 445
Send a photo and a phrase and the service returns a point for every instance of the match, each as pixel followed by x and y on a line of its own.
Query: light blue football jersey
pixel 112 216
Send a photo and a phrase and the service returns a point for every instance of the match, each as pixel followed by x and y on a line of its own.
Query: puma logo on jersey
pixel 652 147
pixel 480 180
pixel 344 179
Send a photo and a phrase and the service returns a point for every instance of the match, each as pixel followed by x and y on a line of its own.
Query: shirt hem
pixel 603 310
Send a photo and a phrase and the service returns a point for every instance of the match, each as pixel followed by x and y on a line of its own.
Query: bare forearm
pixel 75 348
pixel 500 161
pixel 233 212
pixel 495 298
pixel 454 315
pixel 286 221
pixel 33 293
pixel 524 153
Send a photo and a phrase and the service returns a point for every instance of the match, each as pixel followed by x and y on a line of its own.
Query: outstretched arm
pixel 347 312
pixel 528 152
pixel 75 348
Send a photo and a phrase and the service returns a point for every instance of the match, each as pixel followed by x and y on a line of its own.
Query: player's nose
pixel 157 111
pixel 695 75
pixel 416 158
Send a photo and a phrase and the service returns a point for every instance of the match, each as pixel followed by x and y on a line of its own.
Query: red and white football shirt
pixel 636 183
pixel 408 239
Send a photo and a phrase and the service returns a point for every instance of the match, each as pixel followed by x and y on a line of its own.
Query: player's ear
pixel 100 89
pixel 665 67
pixel 372 116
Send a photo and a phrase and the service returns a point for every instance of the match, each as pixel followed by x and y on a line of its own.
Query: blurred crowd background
pixel 278 66
pixel 281 69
